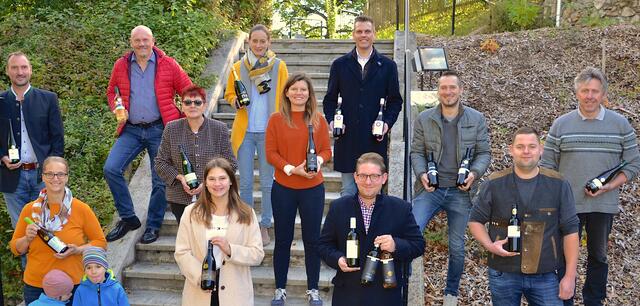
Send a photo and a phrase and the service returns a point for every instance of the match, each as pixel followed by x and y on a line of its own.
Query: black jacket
pixel 391 216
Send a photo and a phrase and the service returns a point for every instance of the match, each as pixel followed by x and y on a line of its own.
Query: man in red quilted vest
pixel 147 81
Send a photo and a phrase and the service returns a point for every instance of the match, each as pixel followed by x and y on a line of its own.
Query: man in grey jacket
pixel 447 131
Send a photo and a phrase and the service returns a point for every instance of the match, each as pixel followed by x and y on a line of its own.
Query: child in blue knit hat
pixel 98 286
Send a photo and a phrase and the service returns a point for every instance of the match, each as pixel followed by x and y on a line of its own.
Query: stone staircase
pixel 154 278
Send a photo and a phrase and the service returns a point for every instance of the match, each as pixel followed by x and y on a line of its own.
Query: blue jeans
pixel 348 185
pixel 457 205
pixel 132 141
pixel 31 293
pixel 251 143
pixel 539 289
pixel 598 227
pixel 310 203
pixel 27 191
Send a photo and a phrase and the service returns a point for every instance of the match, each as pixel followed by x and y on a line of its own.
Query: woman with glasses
pixel 219 218
pixel 295 189
pixel 263 75
pixel 201 139
pixel 69 219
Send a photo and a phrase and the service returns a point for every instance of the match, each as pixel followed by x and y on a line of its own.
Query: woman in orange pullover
pixel 294 188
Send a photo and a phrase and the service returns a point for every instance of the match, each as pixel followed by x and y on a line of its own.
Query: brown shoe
pixel 264 232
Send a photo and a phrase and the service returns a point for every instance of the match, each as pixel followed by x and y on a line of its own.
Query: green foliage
pixel 72 46
pixel 297 15
pixel 247 13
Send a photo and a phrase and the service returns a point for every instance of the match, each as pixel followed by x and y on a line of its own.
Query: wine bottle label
pixel 312 151
pixel 463 170
pixel 190 177
pixel 56 244
pixel 432 171
pixel 14 154
pixel 205 266
pixel 337 121
pixel 352 248
pixel 374 259
pixel 377 127
pixel 597 182
pixel 513 231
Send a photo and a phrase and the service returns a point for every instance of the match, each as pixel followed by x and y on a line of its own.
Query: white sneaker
pixel 450 300
pixel 314 297
pixel 279 297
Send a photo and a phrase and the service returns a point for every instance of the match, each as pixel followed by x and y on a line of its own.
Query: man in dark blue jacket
pixel 361 77
pixel 380 219
pixel 33 116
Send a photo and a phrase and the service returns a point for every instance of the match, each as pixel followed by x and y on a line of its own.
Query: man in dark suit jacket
pixel 361 77
pixel 33 116
pixel 380 219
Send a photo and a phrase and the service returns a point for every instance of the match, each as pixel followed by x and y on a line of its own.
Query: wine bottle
pixel 14 152
pixel 378 125
pixel 209 271
pixel 388 271
pixel 121 112
pixel 187 169
pixel 463 171
pixel 49 238
pixel 432 171
pixel 513 231
pixel 605 177
pixel 370 266
pixel 338 120
pixel 312 156
pixel 241 91
pixel 353 251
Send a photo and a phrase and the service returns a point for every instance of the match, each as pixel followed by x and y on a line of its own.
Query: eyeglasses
pixel 372 177
pixel 50 175
pixel 189 102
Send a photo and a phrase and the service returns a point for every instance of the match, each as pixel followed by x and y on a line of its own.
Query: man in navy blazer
pixel 380 219
pixel 33 116
pixel 361 77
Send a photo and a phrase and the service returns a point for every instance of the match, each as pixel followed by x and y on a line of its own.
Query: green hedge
pixel 72 50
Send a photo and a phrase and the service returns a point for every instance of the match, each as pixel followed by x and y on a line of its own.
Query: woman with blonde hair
pixel 264 76
pixel 219 218
pixel 295 188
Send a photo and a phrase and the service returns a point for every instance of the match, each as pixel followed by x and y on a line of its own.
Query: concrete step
pixel 309 66
pixel 348 44
pixel 167 277
pixel 332 180
pixel 164 298
pixel 223 106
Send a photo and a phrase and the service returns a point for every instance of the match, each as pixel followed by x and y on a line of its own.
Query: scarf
pixel 259 69
pixel 41 212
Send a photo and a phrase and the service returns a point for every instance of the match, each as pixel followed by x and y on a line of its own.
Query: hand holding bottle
pixel 222 243
pixel 424 179
pixel 497 247
pixel 468 182
pixel 386 243
pixel 385 129
pixel 344 127
pixel 299 170
pixel 31 232
pixel 186 187
pixel 342 263
pixel 7 162
pixel 72 249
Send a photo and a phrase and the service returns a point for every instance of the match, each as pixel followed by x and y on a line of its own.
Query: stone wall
pixel 625 11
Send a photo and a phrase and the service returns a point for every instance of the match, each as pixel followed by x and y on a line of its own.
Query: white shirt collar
pixel 600 115
pixel 25 92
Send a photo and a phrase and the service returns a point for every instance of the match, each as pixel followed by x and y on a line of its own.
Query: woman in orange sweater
pixel 69 219
pixel 294 188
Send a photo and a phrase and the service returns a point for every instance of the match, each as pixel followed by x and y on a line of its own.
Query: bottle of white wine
pixel 209 271
pixel 353 251
pixel 49 238
pixel 514 241
pixel 378 125
pixel 370 266
pixel 241 91
pixel 338 120
pixel 14 152
pixel 605 177
pixel 312 155
pixel 187 169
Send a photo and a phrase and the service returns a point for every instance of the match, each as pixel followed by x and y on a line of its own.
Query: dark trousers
pixel 31 293
pixel 177 210
pixel 598 227
pixel 285 202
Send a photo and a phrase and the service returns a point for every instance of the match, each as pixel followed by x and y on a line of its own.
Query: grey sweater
pixel 581 149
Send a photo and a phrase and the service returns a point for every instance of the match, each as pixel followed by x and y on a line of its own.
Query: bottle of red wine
pixel 241 91
pixel 209 271
pixel 378 125
pixel 432 171
pixel 338 120
pixel 49 238
pixel 312 156
pixel 388 271
pixel 353 251
pixel 14 152
pixel 514 241
pixel 463 171
pixel 605 177
pixel 187 169
pixel 370 266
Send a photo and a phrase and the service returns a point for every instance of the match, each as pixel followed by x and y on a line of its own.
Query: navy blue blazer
pixel 44 125
pixel 360 105
pixel 391 216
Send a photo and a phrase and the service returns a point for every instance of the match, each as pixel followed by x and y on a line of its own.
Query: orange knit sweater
pixel 288 146
pixel 81 228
